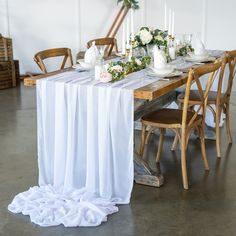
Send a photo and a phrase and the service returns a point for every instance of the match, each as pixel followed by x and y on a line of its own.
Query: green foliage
pixel 130 3
pixel 116 69
pixel 120 69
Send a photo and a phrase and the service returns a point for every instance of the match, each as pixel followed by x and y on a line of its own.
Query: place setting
pixel 160 68
pixel 199 54
pixel 90 57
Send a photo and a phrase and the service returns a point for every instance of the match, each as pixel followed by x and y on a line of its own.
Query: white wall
pixel 221 24
pixel 188 14
pixel 37 25
pixel 3 17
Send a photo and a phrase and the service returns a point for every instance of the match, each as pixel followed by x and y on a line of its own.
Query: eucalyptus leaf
pixel 130 3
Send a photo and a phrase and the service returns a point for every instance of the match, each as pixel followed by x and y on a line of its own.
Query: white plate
pixel 172 74
pixel 77 67
pixel 85 65
pixel 198 59
pixel 199 56
pixel 119 54
pixel 164 71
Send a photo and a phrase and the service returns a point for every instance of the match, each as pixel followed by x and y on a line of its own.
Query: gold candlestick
pixel 123 55
pixel 127 51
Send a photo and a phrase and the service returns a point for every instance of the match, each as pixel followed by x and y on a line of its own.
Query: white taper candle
pixel 170 15
pixel 132 23
pixel 173 24
pixel 165 20
pixel 127 34
pixel 123 40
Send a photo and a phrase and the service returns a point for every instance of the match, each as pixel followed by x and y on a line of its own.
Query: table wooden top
pixel 159 88
pixel 148 92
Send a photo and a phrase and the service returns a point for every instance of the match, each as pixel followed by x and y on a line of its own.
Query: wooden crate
pixel 17 71
pixel 6 52
pixel 8 71
pixel 7 74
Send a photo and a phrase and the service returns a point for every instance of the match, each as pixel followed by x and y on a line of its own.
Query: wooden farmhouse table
pixel 156 91
pixel 150 92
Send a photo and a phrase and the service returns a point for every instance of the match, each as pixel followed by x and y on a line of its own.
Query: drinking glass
pixel 101 51
pixel 139 52
pixel 187 39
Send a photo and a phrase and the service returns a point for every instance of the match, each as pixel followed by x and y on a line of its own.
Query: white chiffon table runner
pixel 85 149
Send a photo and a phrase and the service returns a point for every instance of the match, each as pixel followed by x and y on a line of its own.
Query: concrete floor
pixel 208 208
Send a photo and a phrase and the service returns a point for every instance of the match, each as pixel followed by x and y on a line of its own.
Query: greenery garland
pixel 130 3
pixel 119 69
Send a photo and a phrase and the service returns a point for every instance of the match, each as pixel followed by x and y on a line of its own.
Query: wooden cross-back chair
pixel 219 99
pixel 115 26
pixel 50 53
pixel 108 43
pixel 182 121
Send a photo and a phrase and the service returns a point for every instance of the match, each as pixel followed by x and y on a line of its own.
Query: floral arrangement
pixel 137 64
pixel 184 50
pixel 115 71
pixel 147 36
pixel 130 3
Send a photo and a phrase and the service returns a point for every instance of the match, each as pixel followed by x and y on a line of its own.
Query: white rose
pixel 117 68
pixel 145 36
pixel 105 77
pixel 138 62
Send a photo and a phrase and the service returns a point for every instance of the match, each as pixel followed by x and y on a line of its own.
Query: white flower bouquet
pixel 147 36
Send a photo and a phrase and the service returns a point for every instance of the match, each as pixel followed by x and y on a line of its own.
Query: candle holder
pixel 130 49
pixel 127 52
pixel 123 55
pixel 171 48
pixel 169 39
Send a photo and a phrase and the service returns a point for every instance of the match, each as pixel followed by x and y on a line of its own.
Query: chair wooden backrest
pixel 55 52
pixel 111 44
pixel 195 75
pixel 231 60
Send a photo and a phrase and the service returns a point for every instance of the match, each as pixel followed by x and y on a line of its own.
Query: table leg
pixel 144 175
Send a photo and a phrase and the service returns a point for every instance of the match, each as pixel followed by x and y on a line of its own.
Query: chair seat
pixel 195 97
pixel 168 117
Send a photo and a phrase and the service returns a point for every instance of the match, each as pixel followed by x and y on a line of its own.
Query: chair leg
pixel 228 124
pixel 183 163
pixel 175 142
pixel 160 145
pixel 217 122
pixel 203 147
pixel 148 135
pixel 143 137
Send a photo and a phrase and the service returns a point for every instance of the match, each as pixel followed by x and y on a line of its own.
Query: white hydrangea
pixel 145 36
pixel 117 68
